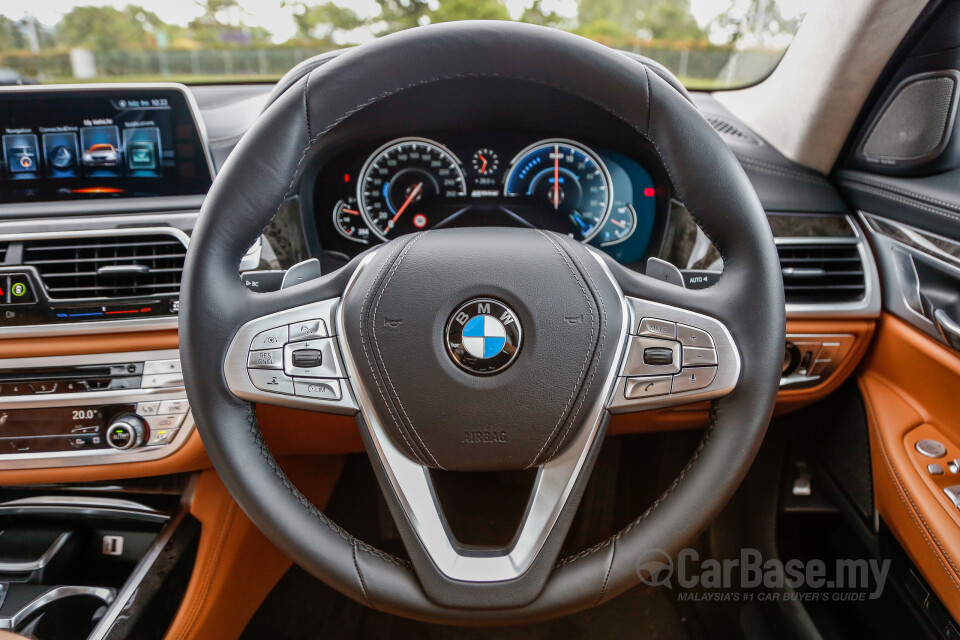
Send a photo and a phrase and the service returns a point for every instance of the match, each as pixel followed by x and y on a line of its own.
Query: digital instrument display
pixel 100 142
pixel 489 178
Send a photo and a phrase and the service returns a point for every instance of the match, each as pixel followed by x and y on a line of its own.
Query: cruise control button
pixel 931 448
pixel 274 381
pixel 660 356
pixel 646 387
pixel 173 406
pixel 693 337
pixel 307 358
pixel 637 365
pixel 271 339
pixel 693 379
pixel 328 367
pixel 657 328
pixel 698 356
pixel 325 389
pixel 267 359
pixel 307 330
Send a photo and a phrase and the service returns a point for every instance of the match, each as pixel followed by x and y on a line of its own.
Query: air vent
pixel 726 128
pixel 120 266
pixel 821 273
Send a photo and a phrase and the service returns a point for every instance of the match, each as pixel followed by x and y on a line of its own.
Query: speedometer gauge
pixel 566 177
pixel 401 179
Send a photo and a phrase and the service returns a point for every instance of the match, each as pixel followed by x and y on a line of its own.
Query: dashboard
pixel 373 193
pixel 93 239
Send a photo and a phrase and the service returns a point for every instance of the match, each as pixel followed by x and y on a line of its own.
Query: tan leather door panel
pixel 911 387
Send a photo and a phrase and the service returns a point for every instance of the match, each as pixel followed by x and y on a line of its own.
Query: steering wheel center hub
pixel 463 333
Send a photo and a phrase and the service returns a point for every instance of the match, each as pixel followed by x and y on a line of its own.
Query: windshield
pixel 709 44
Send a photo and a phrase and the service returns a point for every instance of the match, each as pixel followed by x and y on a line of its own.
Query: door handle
pixel 949 328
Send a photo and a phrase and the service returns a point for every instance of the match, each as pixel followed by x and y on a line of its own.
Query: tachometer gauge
pixel 620 224
pixel 567 177
pixel 349 221
pixel 401 179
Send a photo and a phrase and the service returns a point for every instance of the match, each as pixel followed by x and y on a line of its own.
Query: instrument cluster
pixel 592 194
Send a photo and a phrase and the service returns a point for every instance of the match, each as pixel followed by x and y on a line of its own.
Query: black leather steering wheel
pixel 381 338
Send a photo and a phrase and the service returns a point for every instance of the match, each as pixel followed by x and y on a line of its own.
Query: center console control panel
pixel 92 409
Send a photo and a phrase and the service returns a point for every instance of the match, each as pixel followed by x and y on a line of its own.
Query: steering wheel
pixel 481 349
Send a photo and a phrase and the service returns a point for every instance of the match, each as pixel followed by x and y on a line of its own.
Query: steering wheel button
pixel 660 356
pixel 307 358
pixel 308 330
pixel 646 387
pixel 325 389
pixel 274 381
pixel 657 328
pixel 323 362
pixel 693 337
pixel 698 356
pixel 271 339
pixel 693 379
pixel 266 359
pixel 666 352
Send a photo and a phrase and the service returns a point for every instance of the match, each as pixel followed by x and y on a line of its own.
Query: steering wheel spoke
pixel 673 357
pixel 291 358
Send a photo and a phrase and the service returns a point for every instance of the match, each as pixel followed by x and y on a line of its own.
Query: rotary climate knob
pixel 126 431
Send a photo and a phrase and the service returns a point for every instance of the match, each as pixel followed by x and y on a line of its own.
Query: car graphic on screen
pixel 101 155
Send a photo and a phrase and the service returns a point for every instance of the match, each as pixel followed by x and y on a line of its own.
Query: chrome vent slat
pixel 821 273
pixel 71 270
pixel 111 259
pixel 108 245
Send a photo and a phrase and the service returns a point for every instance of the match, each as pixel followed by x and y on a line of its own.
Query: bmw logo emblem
pixel 483 336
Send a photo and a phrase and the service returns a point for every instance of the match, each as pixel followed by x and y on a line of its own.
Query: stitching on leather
pixel 366 352
pixel 599 356
pixel 306 105
pixel 646 72
pixel 606 578
pixel 901 191
pixel 787 172
pixel 356 566
pixel 376 346
pixel 254 430
pixel 656 504
pixel 210 570
pixel 926 531
pixel 586 357
pixel 883 193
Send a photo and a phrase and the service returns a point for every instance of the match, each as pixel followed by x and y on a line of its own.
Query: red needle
pixel 556 176
pixel 406 203
pixel 618 223
pixel 483 167
pixel 351 212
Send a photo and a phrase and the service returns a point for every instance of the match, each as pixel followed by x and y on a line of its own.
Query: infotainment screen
pixel 120 141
